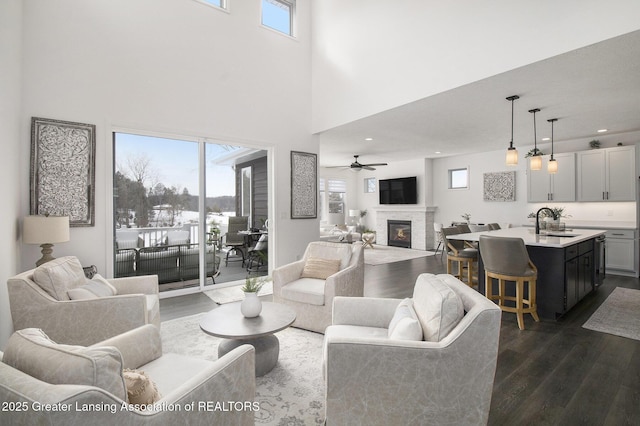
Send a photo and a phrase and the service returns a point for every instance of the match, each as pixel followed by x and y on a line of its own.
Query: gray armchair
pixel 80 322
pixel 373 379
pixel 32 374
pixel 312 297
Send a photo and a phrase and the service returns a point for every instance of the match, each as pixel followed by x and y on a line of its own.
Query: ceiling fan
pixel 356 166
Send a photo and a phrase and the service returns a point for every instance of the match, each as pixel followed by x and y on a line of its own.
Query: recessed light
pixel 546 139
pixel 438 152
pixel 602 130
pixel 368 139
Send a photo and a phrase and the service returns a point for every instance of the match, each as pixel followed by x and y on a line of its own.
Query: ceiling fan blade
pixel 367 167
pixel 376 164
pixel 337 167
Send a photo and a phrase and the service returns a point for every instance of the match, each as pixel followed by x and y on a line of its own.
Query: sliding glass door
pixel 172 199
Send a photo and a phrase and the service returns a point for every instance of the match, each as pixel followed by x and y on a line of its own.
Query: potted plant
pixel 466 217
pixel 594 144
pixel 251 305
pixel 533 151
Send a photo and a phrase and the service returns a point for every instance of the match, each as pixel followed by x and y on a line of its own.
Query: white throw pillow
pixel 320 268
pixel 438 307
pixel 94 288
pixel 405 325
pixel 58 276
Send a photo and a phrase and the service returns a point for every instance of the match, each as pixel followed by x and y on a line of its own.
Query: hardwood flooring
pixel 551 373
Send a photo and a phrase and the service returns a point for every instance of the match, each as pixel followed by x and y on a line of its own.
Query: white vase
pixel 251 306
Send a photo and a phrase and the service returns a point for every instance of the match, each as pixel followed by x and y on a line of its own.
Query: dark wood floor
pixel 551 373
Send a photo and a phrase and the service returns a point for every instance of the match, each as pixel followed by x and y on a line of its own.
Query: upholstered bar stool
pixel 458 252
pixel 507 260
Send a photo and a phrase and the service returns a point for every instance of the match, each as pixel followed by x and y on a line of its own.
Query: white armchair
pixel 36 372
pixel 81 321
pixel 374 379
pixel 303 288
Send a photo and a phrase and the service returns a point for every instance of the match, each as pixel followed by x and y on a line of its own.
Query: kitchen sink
pixel 561 235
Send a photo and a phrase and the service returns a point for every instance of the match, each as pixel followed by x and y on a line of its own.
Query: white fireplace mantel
pixel 421 217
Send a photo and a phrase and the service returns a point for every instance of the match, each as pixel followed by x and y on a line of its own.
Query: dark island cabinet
pixel 579 272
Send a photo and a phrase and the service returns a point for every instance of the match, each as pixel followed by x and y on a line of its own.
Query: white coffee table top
pixel 228 322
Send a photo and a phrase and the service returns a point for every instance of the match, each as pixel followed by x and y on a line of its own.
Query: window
pixel 222 4
pixel 278 15
pixel 370 185
pixel 332 201
pixel 458 178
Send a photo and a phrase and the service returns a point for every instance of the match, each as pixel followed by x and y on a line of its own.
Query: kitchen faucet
pixel 555 217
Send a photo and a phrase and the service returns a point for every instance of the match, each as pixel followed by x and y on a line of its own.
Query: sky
pixel 174 163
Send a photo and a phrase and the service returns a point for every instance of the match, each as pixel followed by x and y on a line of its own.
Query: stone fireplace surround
pixel 422 233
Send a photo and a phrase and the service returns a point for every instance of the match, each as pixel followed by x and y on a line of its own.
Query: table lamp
pixel 355 213
pixel 45 230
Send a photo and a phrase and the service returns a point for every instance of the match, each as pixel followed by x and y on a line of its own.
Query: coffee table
pixel 228 323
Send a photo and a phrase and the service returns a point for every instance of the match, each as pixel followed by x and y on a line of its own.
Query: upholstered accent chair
pixel 35 371
pixel 427 360
pixel 309 285
pixel 57 298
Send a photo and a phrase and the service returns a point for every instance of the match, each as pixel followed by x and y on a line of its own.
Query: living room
pixel 183 68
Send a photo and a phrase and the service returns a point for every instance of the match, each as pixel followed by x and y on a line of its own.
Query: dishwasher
pixel 600 258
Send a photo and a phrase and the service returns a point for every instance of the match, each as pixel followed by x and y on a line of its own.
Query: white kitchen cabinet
pixel 620 251
pixel 607 174
pixel 543 187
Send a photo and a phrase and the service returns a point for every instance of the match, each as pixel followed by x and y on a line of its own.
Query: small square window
pixel 278 15
pixel 458 178
pixel 370 185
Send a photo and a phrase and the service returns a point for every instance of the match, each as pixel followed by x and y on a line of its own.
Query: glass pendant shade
pixel 535 162
pixel 552 166
pixel 512 157
pixel 512 152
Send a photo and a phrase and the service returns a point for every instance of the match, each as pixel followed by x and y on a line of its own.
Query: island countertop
pixel 551 239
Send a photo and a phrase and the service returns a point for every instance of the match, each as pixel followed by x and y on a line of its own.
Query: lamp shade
pixel 512 157
pixel 354 213
pixel 535 162
pixel 45 229
pixel 552 166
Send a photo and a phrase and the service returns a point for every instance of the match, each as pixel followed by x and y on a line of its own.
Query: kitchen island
pixel 565 261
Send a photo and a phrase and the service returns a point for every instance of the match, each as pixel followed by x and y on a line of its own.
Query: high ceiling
pixel 592 88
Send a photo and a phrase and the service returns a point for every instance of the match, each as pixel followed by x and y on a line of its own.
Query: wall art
pixel 500 186
pixel 304 185
pixel 62 179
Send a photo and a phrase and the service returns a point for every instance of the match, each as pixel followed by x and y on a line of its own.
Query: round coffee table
pixel 228 323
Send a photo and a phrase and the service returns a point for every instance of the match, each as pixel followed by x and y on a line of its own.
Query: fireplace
pixel 399 233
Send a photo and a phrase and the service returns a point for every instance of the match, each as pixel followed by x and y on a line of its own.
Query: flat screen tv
pixel 398 191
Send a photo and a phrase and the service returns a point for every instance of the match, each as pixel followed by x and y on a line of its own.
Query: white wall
pixel 370 56
pixel 10 193
pixel 174 67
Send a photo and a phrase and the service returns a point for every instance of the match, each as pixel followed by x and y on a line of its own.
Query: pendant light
pixel 512 152
pixel 535 162
pixel 552 166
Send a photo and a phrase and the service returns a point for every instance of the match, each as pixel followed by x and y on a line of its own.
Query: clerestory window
pixel 279 15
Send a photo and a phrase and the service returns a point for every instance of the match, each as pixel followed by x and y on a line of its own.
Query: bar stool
pixel 437 228
pixel 458 252
pixel 507 260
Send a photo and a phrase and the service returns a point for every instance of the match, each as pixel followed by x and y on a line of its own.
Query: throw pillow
pixel 140 388
pixel 94 288
pixel 31 351
pixel 316 267
pixel 405 325
pixel 58 276
pixel 438 307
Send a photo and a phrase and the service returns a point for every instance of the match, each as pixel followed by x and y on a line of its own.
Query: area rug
pixel 618 315
pixel 290 394
pixel 385 254
pixel 234 294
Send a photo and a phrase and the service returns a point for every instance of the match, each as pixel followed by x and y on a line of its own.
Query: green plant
pixel 363 213
pixel 594 143
pixel 252 285
pixel 534 151
pixel 466 216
